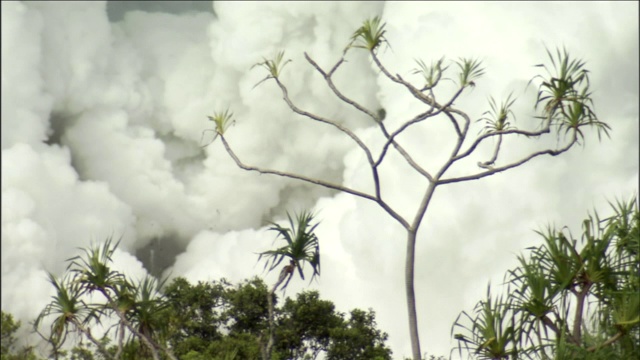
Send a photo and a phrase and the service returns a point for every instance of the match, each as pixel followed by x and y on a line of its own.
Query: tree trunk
pixel 287 271
pixel 411 296
pixel 412 233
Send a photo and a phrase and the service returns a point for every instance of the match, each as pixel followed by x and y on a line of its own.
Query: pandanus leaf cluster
pixel 568 299
pixel 301 245
pixel 498 117
pixel 565 95
pixel 137 307
pixel 369 36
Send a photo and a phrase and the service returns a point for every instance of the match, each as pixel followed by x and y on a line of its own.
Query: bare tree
pixel 563 101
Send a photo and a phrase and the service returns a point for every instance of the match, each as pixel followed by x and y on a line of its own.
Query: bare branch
pixel 608 342
pixel 483 137
pixel 429 100
pixel 420 117
pixel 87 333
pixel 454 123
pixel 412 89
pixel 345 130
pixel 327 78
pixel 402 152
pixel 323 183
pixel 152 345
pixel 487 164
pixel 509 166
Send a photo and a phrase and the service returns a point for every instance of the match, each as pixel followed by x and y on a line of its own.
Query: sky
pixel 104 112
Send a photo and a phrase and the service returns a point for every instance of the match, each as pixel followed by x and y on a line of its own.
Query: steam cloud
pixel 102 122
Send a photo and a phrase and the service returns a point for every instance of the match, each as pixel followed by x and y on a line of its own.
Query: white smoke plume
pixel 104 107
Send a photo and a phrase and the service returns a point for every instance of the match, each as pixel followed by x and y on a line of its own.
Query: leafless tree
pixel 563 101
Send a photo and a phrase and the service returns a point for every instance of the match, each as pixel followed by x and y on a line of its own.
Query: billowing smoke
pixel 104 108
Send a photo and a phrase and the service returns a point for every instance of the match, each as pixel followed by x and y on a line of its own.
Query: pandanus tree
pixel 567 299
pixel 564 106
pixel 302 246
pixel 137 307
pixel 71 314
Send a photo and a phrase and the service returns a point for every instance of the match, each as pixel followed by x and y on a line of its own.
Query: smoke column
pixel 104 107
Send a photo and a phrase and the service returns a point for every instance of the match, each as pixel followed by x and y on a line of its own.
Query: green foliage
pixel 305 325
pixel 8 329
pixel 570 299
pixel 302 245
pixel 222 120
pixel 369 36
pixel 470 71
pixel 247 306
pixel 138 306
pixel 432 74
pixel 497 119
pixel 215 318
pixel 274 67
pixel 235 346
pixel 493 334
pixel 67 308
pixel 196 314
pixel 7 333
pixel 148 309
pixel 359 339
pixel 91 270
pixel 220 321
pixel 566 96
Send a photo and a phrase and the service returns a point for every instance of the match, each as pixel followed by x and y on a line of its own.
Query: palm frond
pixel 302 245
pixel 273 66
pixel 92 271
pixel 564 95
pixel 432 74
pixel 222 120
pixel 497 119
pixel 369 36
pixel 470 71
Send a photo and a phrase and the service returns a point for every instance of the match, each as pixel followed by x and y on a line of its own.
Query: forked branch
pixel 375 117
pixel 512 165
pixel 315 181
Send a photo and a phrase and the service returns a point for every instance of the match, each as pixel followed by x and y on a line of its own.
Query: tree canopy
pixel 207 320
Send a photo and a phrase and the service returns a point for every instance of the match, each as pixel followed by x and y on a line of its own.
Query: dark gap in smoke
pixel 117 9
pixel 296 198
pixel 57 123
pixel 160 253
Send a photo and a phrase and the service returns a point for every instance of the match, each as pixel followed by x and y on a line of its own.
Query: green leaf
pixel 369 36
pixel 302 245
pixel 498 117
pixel 565 97
pixel 470 71
pixel 222 120
pixel 273 66
pixel 432 74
